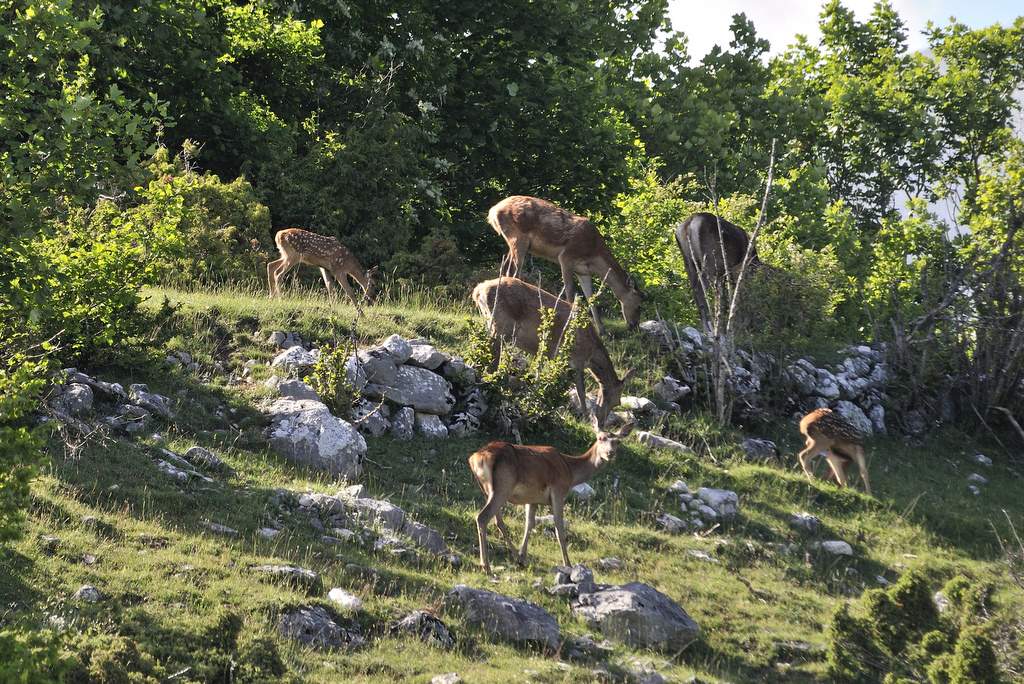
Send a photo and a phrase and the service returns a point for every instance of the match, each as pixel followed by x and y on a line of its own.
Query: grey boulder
pixel 419 388
pixel 638 615
pixel 313 626
pixel 426 627
pixel 295 360
pixel 304 431
pixel 506 618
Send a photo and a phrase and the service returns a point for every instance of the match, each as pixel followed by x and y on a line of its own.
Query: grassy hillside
pixel 762 595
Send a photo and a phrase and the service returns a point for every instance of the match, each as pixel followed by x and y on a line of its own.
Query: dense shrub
pixel 329 379
pixel 21 382
pixel 224 230
pixel 30 657
pixel 896 635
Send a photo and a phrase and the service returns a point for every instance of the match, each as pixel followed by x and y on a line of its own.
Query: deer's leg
pixel 272 274
pixel 347 287
pixel 557 503
pixel 518 248
pixel 499 521
pixel 489 511
pixel 805 457
pixel 282 271
pixel 327 281
pixel 581 391
pixel 568 292
pixel 531 519
pixel 858 456
pixel 838 465
pixel 587 285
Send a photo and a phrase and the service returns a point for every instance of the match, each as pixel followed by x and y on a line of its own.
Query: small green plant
pixel 330 380
pixel 530 389
pixel 30 657
pixel 896 635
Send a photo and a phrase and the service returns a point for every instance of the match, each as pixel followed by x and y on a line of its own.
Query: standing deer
pixel 532 476
pixel 532 225
pixel 710 254
pixel 514 309
pixel 299 246
pixel 828 434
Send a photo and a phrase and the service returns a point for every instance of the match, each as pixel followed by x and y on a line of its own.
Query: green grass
pixel 170 581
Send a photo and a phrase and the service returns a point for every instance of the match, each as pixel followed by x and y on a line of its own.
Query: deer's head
pixel 609 394
pixel 607 443
pixel 631 302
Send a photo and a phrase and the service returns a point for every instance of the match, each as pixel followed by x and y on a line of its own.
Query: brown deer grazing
pixel 709 255
pixel 514 307
pixel 828 434
pixel 299 246
pixel 532 476
pixel 532 225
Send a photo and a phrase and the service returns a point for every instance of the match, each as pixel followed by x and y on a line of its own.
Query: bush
pixel 529 390
pixel 896 635
pixel 30 657
pixel 329 379
pixel 20 446
pixel 226 229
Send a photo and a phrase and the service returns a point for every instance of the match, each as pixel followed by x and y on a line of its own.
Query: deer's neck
pixel 583 467
pixel 601 364
pixel 613 274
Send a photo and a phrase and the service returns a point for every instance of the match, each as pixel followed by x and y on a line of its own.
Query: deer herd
pixel 713 250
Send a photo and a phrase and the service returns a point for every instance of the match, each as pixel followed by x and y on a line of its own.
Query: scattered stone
pixel 611 564
pixel 431 426
pixel 583 491
pixel 356 491
pixel 982 460
pixel 344 600
pixel 659 333
pixel 305 432
pixel 805 522
pixel 296 389
pixel 668 390
pixel 172 471
pixel 701 555
pixel 725 503
pixel 152 402
pixel 757 449
pixel 371 418
pixel 379 512
pixel 638 405
pixel 463 424
pixel 296 361
pixel 49 544
pixel 285 340
pixel 941 601
pixel 837 548
pixel 658 442
pixel 638 615
pixel 427 356
pixel 679 487
pixel 268 532
pixel 291 574
pixel 877 416
pixel 419 388
pixel 978 479
pixel 314 626
pixel 671 523
pixel 506 618
pixel 204 458
pixel 217 528
pixel 446 678
pixel 457 371
pixel 403 423
pixel 88 594
pixel 88 559
pixel 426 627
pixel 76 399
pixel 974 489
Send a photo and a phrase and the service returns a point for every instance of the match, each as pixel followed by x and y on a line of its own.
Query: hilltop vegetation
pixel 149 151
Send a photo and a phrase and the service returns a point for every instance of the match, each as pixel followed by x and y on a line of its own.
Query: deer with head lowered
pixel 830 435
pixel 712 248
pixel 532 476
pixel 513 308
pixel 532 225
pixel 298 246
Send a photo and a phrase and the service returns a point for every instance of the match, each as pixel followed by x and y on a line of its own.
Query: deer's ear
pixel 595 423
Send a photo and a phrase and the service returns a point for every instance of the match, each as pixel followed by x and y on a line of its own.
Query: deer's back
pixel 311 248
pixel 550 229
pixel 699 235
pixel 531 470
pixel 515 307
pixel 827 423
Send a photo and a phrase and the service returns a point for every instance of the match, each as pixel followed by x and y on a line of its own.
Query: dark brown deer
pixel 532 225
pixel 531 476
pixel 298 246
pixel 514 308
pixel 828 434
pixel 709 255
